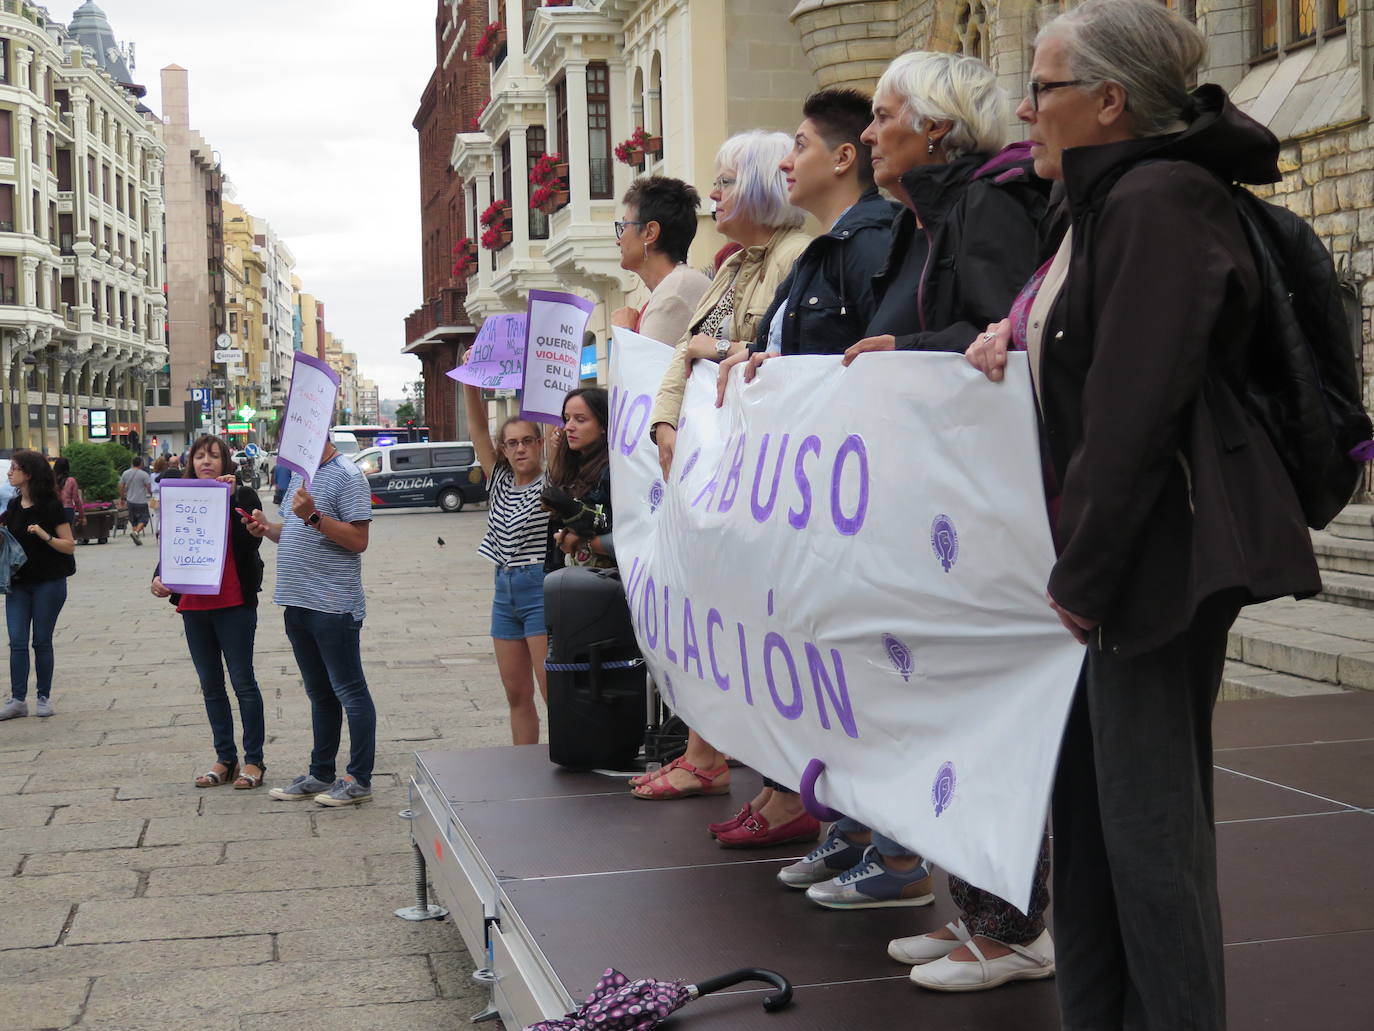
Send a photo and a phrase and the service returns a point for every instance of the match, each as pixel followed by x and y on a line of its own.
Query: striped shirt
pixel 314 572
pixel 517 526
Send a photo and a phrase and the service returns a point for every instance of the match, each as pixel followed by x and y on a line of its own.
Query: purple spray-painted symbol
pixel 944 540
pixel 655 495
pixel 942 791
pixel 686 469
pixel 900 655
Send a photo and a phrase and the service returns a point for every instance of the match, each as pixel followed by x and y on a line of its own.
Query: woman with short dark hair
pixel 659 226
pixel 38 588
pixel 220 629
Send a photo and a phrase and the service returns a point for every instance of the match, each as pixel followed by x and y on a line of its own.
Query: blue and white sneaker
pixel 829 859
pixel 870 885
pixel 300 789
pixel 345 791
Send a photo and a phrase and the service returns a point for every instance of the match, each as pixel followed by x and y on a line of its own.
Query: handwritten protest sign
pixel 498 355
pixel 553 353
pixel 806 586
pixel 308 416
pixel 195 534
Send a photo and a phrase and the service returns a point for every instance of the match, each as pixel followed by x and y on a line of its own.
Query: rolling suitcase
pixel 596 676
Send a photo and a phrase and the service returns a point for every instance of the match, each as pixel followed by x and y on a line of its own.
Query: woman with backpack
pixel 1171 509
pixel 220 630
pixel 38 589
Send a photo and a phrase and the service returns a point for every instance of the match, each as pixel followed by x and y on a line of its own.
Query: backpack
pixel 1303 384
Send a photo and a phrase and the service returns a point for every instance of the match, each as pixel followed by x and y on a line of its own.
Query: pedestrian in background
pixel 322 536
pixel 515 542
pixel 38 589
pixel 135 489
pixel 220 630
pixel 69 493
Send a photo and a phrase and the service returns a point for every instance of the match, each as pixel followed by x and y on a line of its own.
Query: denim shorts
pixel 517 611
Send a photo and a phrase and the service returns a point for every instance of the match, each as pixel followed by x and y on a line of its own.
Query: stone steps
pixel 1356 522
pixel 1313 640
pixel 1343 554
pixel 1352 589
pixel 1240 682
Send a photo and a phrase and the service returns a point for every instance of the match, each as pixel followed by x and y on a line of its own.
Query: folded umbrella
pixel 619 1004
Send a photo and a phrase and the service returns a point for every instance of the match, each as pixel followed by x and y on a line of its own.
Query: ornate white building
pixel 82 307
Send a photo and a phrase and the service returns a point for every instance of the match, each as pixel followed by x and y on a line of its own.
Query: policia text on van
pixel 440 473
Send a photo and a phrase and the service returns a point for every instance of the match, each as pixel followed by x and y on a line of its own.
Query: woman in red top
pixel 221 627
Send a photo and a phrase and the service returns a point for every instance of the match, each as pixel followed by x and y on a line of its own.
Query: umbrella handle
pixel 772 1003
pixel 813 805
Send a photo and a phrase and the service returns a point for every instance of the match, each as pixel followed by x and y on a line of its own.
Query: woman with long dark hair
pixel 515 542
pixel 581 467
pixel 39 587
pixel 220 629
pixel 69 493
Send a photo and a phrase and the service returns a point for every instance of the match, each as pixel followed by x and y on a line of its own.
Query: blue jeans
pixel 328 647
pixel 33 606
pixel 885 845
pixel 228 633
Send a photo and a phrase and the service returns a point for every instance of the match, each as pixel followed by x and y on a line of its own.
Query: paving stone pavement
pixel 131 900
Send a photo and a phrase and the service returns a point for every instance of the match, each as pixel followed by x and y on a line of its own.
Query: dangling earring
pixel 646 252
pixel 930 145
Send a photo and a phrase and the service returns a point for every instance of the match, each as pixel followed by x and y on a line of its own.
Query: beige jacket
pixel 669 311
pixel 756 272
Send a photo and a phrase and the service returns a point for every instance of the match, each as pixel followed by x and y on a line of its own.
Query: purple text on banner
pixel 553 353
pixel 498 355
pixel 309 414
pixel 195 534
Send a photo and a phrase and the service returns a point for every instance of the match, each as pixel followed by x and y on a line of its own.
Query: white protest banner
pixel 849 566
pixel 553 353
pixel 309 414
pixel 498 355
pixel 195 534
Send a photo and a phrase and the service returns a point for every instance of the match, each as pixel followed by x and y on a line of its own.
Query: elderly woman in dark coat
pixel 1173 509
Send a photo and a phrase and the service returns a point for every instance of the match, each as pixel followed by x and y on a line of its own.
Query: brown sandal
pixel 246 781
pixel 212 778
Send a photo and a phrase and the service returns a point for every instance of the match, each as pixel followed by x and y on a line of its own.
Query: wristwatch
pixel 314 519
pixel 722 350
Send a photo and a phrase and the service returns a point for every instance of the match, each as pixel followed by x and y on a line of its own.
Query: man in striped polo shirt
pixel 320 583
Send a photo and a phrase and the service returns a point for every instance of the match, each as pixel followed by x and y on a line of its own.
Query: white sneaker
pixel 1024 963
pixel 925 948
pixel 14 708
pixel 44 707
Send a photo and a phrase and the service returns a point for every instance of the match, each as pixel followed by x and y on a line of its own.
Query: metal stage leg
pixel 423 908
pixel 487 976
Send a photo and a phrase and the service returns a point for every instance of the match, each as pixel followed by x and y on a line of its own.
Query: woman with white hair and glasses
pixel 752 210
pixel 1173 509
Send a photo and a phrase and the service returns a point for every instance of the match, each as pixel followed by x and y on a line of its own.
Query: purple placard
pixel 195 535
pixel 553 353
pixel 309 412
pixel 498 355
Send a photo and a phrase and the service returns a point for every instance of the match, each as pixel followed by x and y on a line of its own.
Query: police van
pixel 442 473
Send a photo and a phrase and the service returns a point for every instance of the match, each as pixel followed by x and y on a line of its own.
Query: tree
pixel 94 470
pixel 405 410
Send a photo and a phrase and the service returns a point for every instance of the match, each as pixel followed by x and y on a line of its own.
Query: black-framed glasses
pixel 516 445
pixel 1034 89
pixel 620 228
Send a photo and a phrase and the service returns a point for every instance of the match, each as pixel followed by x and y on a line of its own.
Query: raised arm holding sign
pixel 553 353
pixel 195 535
pixel 308 416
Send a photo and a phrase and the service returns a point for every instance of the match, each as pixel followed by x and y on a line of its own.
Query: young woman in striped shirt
pixel 517 534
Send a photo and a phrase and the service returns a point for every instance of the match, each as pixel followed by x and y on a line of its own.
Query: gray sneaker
pixel 44 707
pixel 14 708
pixel 870 885
pixel 345 791
pixel 300 789
pixel 831 858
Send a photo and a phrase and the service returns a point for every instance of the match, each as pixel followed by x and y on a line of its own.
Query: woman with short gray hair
pixel 1172 508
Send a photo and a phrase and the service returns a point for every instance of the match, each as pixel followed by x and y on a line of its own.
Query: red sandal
pixel 660 790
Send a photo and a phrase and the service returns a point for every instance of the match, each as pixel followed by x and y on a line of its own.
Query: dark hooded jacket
pixel 829 293
pixel 980 225
pixel 1171 493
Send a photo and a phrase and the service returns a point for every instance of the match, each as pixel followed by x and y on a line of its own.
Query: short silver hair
pixel 951 88
pixel 760 186
pixel 1148 50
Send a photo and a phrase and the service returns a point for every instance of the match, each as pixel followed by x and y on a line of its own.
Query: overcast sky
pixel 309 103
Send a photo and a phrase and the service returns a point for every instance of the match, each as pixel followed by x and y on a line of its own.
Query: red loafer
pixel 732 823
pixel 755 832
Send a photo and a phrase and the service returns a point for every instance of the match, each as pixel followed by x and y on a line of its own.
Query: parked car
pixel 438 473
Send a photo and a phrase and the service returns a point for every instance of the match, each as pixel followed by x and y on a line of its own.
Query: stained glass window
pixel 1268 25
pixel 1303 20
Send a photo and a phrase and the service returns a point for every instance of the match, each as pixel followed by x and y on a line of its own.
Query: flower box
pixel 653 145
pixel 493 41
pixel 631 151
pixel 549 199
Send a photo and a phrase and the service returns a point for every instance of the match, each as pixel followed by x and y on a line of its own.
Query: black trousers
pixel 1137 923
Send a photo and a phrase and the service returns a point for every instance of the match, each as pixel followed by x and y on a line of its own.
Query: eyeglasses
pixel 1034 89
pixel 516 445
pixel 723 183
pixel 620 228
